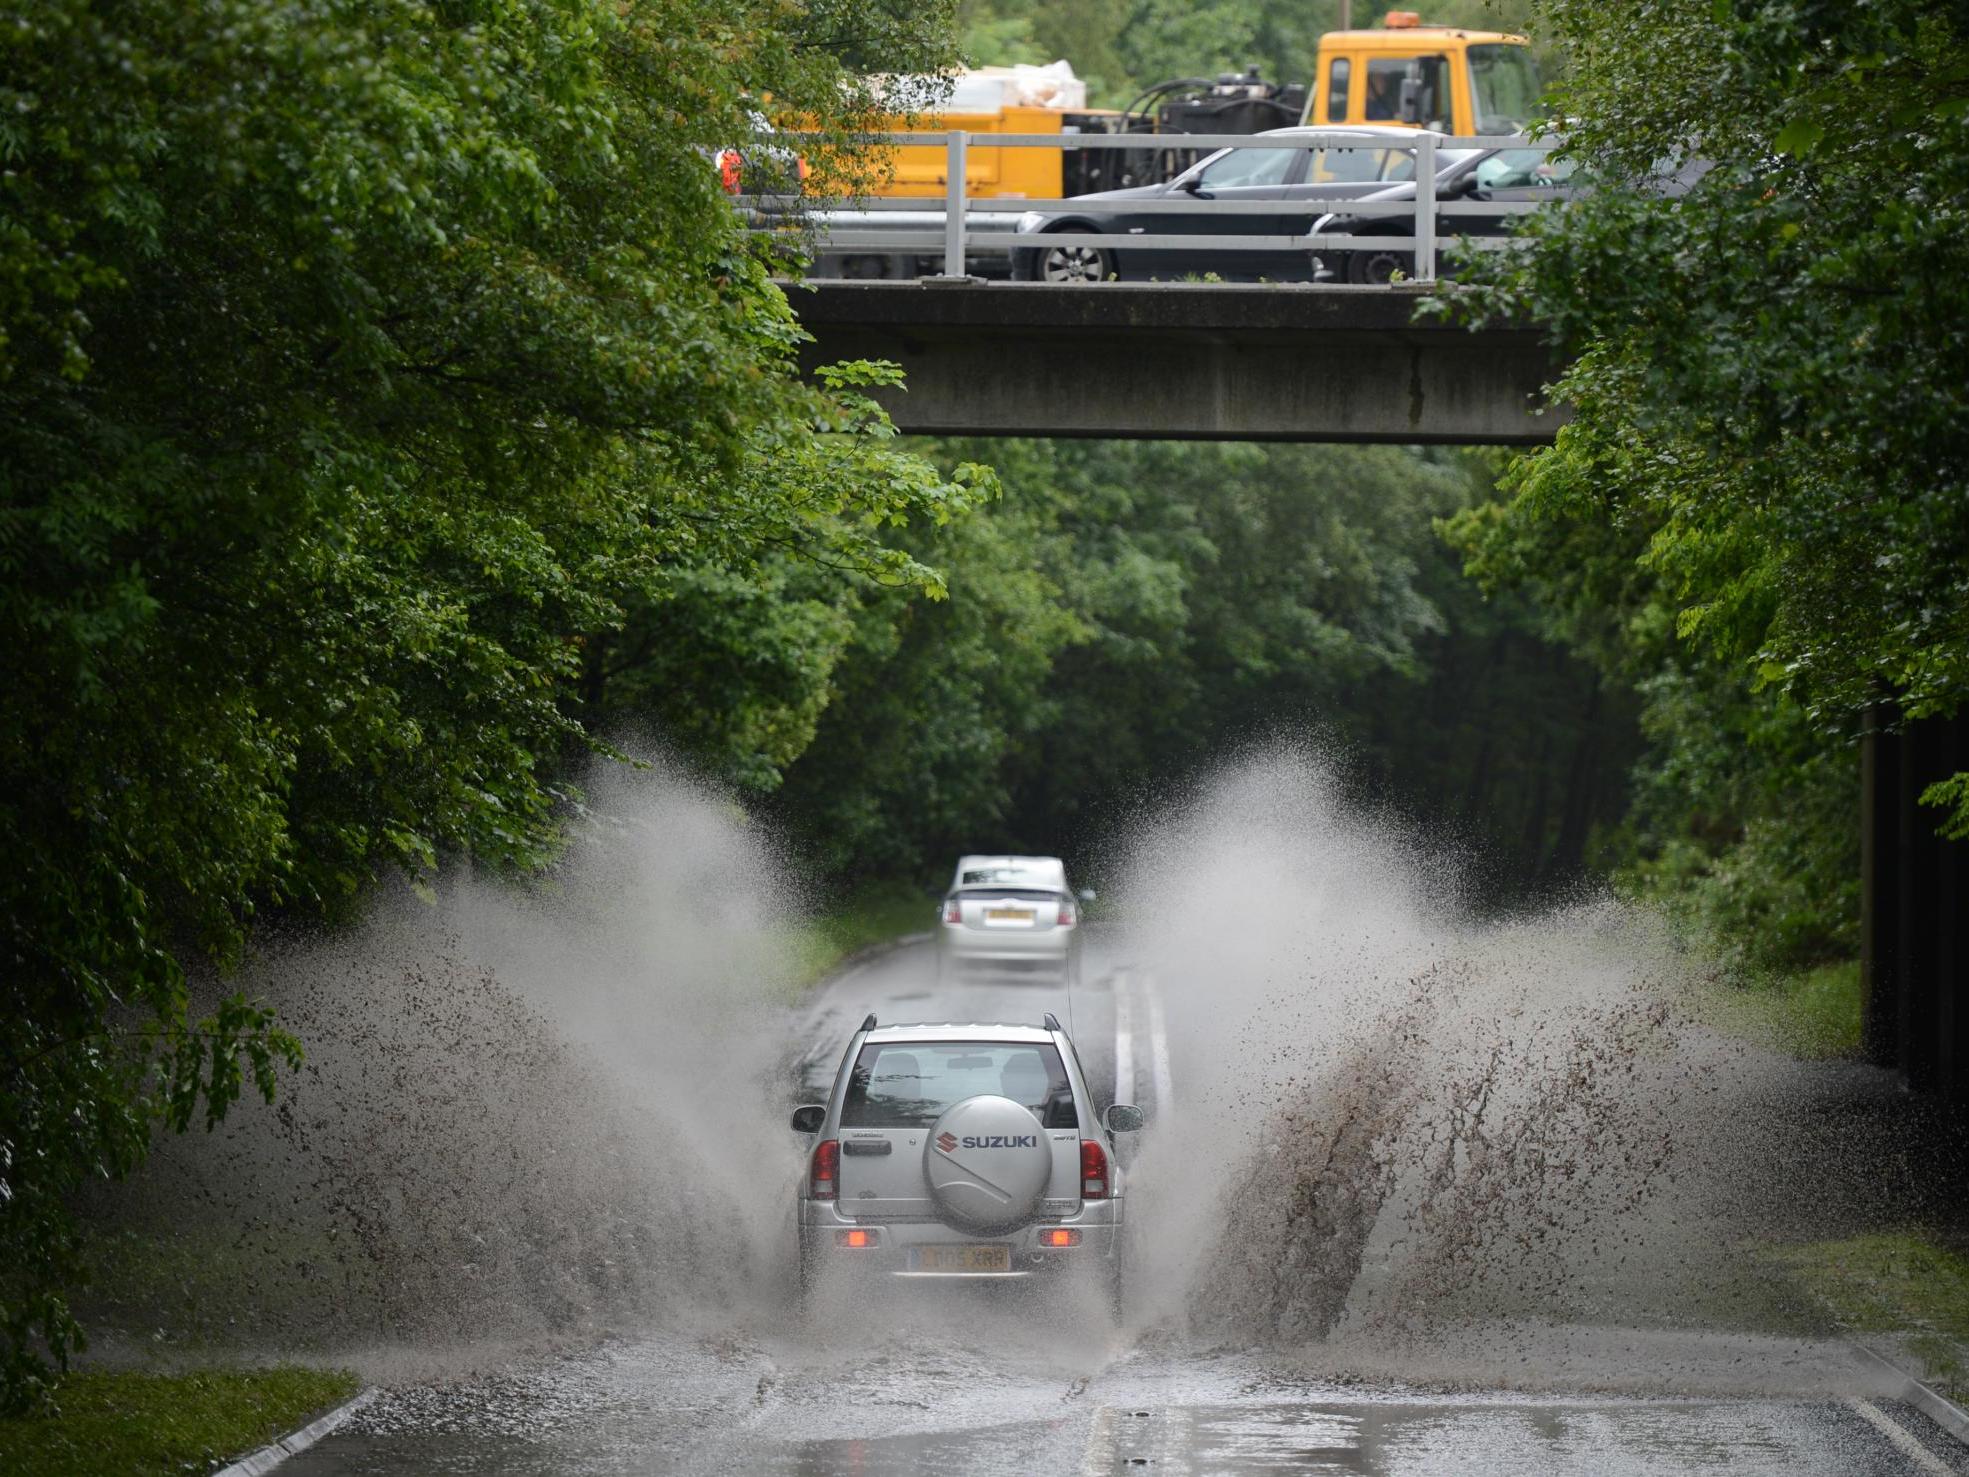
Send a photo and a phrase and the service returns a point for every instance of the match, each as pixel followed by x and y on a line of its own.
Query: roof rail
pixel 869 1023
pixel 1052 1022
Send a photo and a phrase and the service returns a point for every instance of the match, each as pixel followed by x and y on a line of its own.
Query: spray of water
pixel 527 1112
pixel 538 1113
pixel 1396 1125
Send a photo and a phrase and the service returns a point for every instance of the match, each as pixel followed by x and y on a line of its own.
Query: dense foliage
pixel 1124 616
pixel 1760 512
pixel 362 364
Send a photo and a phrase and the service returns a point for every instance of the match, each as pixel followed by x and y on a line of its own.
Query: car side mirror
pixel 1087 894
pixel 1123 1118
pixel 808 1117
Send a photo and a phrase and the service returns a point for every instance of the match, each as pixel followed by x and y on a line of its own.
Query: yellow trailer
pixel 1032 173
pixel 992 100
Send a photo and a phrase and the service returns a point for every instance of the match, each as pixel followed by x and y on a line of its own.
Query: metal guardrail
pixel 966 226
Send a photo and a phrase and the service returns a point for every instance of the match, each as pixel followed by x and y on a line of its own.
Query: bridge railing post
pixel 956 147
pixel 1425 209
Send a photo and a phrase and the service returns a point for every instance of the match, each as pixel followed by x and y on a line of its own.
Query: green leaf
pixel 1798 137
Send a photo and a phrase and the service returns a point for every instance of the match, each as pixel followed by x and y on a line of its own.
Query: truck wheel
pixel 1377 265
pixel 1068 257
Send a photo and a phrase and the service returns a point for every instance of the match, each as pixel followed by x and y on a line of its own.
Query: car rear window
pixel 1024 894
pixel 1007 876
pixel 909 1084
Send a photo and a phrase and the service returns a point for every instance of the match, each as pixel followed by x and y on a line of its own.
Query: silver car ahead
pixel 962 1151
pixel 1009 916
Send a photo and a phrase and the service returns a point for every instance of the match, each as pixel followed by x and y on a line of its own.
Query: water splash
pixel 1398 1121
pixel 527 1112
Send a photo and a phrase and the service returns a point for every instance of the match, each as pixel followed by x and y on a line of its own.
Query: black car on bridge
pixel 1256 190
pixel 1504 177
pixel 1513 179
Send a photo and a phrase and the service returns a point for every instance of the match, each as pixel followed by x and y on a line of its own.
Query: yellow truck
pixel 1467 83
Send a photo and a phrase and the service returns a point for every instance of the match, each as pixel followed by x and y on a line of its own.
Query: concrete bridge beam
pixel 1198 361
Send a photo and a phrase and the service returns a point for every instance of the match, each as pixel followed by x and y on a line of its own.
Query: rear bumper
pixel 894 1242
pixel 1006 950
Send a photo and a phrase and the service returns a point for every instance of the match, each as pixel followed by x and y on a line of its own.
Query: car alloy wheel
pixel 1074 261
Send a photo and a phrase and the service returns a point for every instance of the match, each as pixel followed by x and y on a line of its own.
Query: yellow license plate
pixel 962 1258
pixel 1009 915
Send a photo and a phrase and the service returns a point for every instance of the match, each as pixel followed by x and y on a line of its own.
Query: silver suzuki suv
pixel 962 1151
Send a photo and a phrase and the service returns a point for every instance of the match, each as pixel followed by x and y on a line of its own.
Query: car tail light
pixel 953 911
pixel 825 1181
pixel 731 165
pixel 1059 1236
pixel 1066 912
pixel 856 1238
pixel 1093 1171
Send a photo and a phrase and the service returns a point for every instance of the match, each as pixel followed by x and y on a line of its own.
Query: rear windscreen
pixel 1023 894
pixel 1008 877
pixel 909 1084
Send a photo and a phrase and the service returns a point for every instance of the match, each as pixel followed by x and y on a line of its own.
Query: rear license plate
pixel 1009 915
pixel 960 1259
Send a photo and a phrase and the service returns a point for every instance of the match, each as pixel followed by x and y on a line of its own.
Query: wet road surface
pixel 907 1406
pixel 876 1382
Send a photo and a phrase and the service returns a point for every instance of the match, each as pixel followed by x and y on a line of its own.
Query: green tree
pixel 362 363
pixel 1130 610
pixel 1767 464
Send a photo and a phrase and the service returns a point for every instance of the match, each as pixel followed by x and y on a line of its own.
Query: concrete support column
pixel 1914 920
pixel 1945 752
pixel 1880 877
pixel 1914 942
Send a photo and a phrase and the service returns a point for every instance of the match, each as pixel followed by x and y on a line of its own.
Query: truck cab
pixel 1471 84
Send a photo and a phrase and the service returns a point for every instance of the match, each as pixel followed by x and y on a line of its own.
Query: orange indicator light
pixel 854 1238
pixel 1059 1236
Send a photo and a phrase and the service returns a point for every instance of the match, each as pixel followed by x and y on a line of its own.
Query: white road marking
pixel 1903 1439
pixel 1165 1092
pixel 829 1011
pixel 1124 1041
pixel 1101 1457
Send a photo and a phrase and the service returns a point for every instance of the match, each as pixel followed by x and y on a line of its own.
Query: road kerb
pixel 1944 1412
pixel 294 1442
pixel 813 1042
pixel 852 964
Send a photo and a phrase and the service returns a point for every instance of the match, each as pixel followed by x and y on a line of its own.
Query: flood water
pixel 1417 1194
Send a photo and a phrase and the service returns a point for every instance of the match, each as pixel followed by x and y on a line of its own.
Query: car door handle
pixel 867 1146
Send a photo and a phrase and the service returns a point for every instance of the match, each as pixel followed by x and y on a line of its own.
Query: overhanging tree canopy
pixel 1772 372
pixel 359 362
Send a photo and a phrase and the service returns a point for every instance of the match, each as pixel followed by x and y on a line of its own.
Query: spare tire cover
pixel 987 1163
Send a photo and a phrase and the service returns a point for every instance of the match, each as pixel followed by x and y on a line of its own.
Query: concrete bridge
pixel 1194 361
